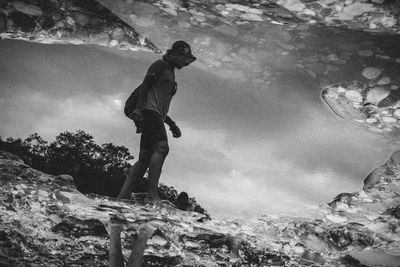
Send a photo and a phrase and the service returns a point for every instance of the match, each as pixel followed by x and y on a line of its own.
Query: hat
pixel 182 48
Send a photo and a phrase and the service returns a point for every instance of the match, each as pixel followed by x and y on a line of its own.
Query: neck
pixel 171 64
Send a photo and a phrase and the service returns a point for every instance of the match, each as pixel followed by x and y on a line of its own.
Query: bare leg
pixel 115 255
pixel 135 174
pixel 144 233
pixel 155 166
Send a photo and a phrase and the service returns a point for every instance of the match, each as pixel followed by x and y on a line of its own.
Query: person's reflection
pixel 144 232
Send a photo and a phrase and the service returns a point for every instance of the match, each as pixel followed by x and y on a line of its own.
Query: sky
pixel 243 152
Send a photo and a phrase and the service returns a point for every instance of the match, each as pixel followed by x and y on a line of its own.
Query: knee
pixel 162 148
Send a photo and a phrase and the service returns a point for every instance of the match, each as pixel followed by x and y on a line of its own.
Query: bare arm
pixel 176 132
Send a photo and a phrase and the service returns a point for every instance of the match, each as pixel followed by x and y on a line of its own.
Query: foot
pixel 116 223
pixel 145 231
pixel 233 245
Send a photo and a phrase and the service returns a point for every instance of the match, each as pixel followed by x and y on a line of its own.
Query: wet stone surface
pixel 377 107
pixel 45 221
pixel 68 22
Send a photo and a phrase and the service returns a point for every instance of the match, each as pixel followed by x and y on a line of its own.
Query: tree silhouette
pixel 99 169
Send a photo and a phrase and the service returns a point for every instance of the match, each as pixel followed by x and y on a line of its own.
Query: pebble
pixel 341 89
pixel 113 43
pixel 397 113
pixel 389 119
pixel 371 72
pixel 81 19
pixel 397 60
pixel 157 240
pixel 384 81
pixel 55 218
pixel 199 17
pixel 354 96
pixel 375 95
pixel 365 53
pixel 27 9
pixel 333 57
pixel 35 205
pixel 394 87
pixel 371 120
pixel 43 193
pixel 251 17
pixel 299 249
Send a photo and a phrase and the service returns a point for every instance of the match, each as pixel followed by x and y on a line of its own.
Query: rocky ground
pixel 74 22
pixel 45 221
pixel 375 104
pixel 250 41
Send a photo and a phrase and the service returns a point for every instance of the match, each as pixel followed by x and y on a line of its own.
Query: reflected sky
pixel 244 151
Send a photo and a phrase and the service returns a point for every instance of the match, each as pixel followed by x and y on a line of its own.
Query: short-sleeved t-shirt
pixel 159 96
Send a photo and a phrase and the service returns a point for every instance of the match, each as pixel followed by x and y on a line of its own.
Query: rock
pixel 354 96
pixel 394 87
pixel 333 57
pixel 383 81
pixel 371 72
pixel 389 119
pixel 113 43
pixel 55 218
pixel 117 33
pixel 365 53
pixel 377 94
pixel 395 158
pixel 387 102
pixel 396 113
pixel 43 193
pixel 65 177
pixel 251 17
pixel 80 18
pixel 371 120
pixel 27 9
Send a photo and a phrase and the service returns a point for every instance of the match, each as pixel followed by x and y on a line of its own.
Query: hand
pixel 176 132
pixel 136 115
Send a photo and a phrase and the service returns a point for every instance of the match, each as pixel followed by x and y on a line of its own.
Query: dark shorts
pixel 153 129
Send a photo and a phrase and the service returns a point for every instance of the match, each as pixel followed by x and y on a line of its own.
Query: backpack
pixel 131 102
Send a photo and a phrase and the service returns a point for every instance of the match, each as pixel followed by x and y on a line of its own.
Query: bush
pixel 99 169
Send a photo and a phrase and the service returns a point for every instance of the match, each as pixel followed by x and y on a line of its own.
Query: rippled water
pixel 256 139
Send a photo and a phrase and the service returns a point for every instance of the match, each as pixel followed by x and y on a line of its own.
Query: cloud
pixel 244 150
